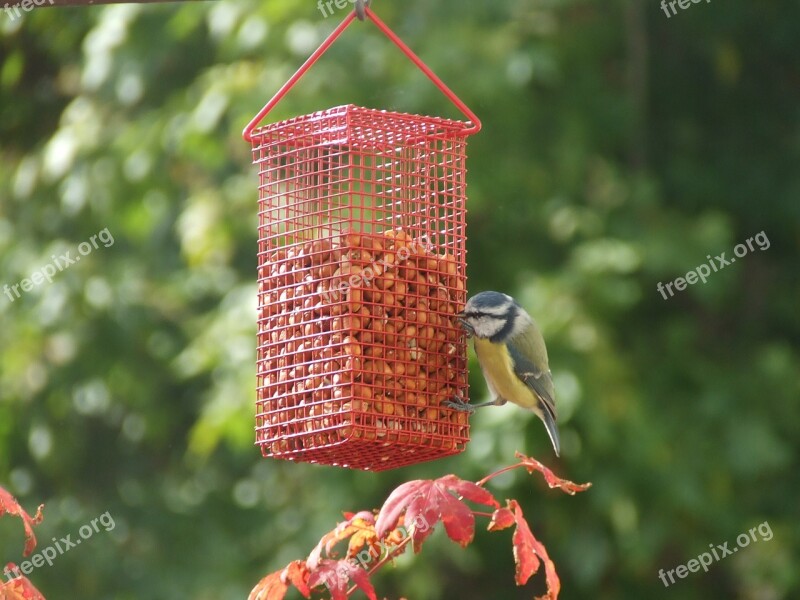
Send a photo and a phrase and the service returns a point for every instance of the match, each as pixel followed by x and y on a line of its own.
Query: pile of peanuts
pixel 358 339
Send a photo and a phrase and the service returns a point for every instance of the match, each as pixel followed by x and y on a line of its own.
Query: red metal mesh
pixel 361 272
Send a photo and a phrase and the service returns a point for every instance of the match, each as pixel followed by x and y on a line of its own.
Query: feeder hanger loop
pixel 361 6
pixel 362 11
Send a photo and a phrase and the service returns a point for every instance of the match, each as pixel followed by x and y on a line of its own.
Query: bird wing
pixel 536 377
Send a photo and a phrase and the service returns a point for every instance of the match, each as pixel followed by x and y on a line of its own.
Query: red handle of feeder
pixel 471 117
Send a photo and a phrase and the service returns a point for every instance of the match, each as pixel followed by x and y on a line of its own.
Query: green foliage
pixel 619 149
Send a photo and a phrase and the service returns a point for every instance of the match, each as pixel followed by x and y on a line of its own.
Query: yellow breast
pixel 498 369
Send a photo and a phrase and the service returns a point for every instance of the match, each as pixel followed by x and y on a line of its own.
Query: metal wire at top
pixel 369 14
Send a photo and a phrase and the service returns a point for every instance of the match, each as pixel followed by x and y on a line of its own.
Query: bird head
pixel 493 316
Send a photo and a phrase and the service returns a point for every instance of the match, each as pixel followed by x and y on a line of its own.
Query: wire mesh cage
pixel 362 259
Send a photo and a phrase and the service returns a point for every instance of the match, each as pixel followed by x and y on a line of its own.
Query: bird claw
pixel 458 404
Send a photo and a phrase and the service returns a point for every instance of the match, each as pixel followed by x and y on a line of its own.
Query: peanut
pixel 354 332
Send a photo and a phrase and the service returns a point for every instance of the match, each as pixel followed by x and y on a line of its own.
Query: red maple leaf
pixel 501 519
pixel 297 573
pixel 528 551
pixel 18 588
pixel 271 587
pixel 275 585
pixel 336 576
pixel 410 513
pixel 531 464
pixel 8 504
pixel 361 523
pixel 425 502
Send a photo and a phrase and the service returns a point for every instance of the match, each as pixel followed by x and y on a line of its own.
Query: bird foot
pixel 457 403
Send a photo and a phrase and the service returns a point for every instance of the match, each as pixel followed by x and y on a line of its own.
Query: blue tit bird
pixel 512 356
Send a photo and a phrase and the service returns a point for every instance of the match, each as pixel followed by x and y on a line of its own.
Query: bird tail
pixel 550 424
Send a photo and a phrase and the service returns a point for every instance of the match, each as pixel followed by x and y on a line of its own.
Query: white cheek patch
pixel 520 326
pixel 489 326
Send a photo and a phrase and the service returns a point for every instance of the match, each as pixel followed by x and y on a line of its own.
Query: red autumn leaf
pixel 297 573
pixel 531 464
pixel 527 554
pixel 8 504
pixel 395 505
pixel 364 515
pixel 426 502
pixel 524 549
pixel 423 513
pixel 358 523
pixel 271 587
pixel 471 491
pixel 275 585
pixel 365 538
pixel 459 521
pixel 18 588
pixel 410 513
pixel 359 527
pixel 316 554
pixel 336 576
pixel 361 579
pixel 501 519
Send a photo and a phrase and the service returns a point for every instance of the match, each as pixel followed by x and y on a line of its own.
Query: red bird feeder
pixel 362 266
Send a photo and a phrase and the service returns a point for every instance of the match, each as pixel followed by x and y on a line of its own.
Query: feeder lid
pixel 359 127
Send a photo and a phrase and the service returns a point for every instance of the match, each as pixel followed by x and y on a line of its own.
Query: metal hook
pixel 361 6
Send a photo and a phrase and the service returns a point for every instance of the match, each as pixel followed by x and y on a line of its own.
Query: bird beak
pixel 462 321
